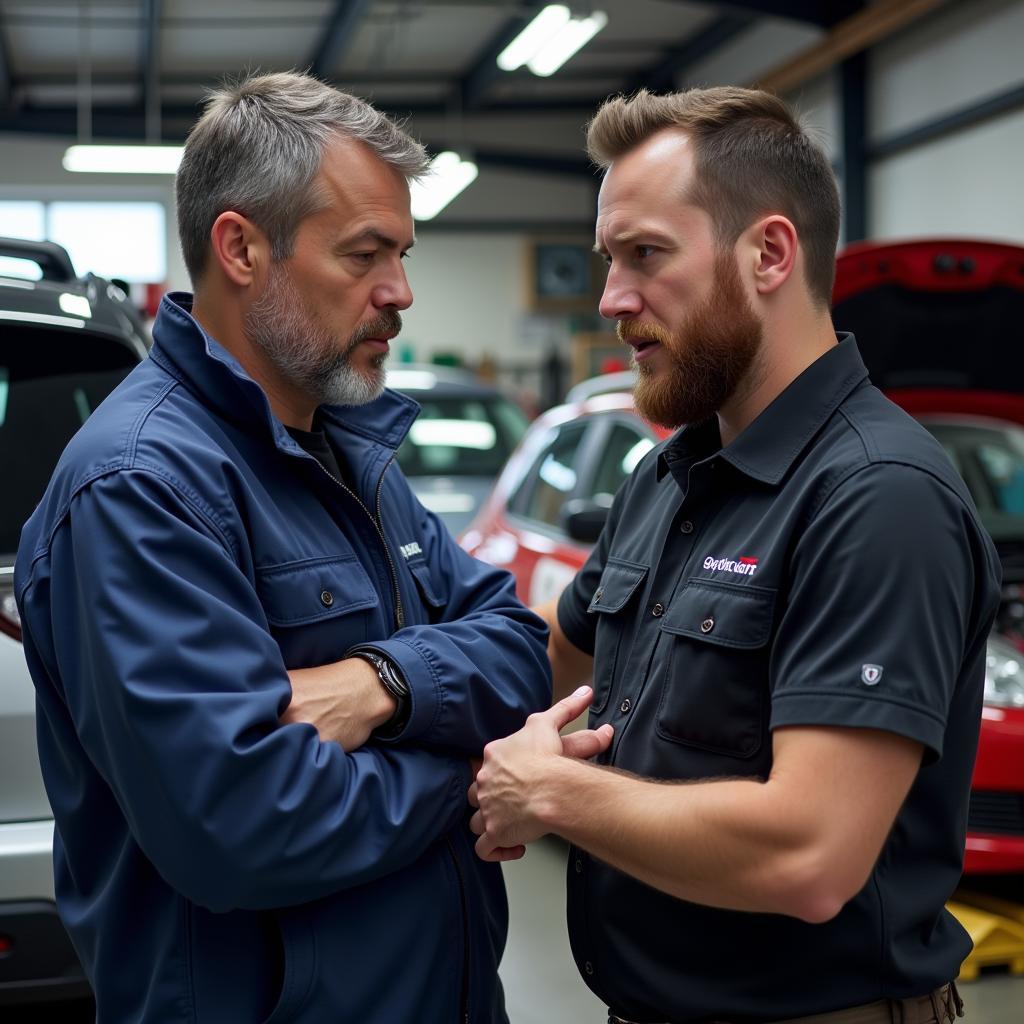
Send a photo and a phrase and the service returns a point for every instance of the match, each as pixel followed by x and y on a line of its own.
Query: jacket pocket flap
pixel 618 584
pixel 297 593
pixel 721 613
pixel 421 573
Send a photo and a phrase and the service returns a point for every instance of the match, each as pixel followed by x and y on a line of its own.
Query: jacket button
pixel 599 593
pixel 686 526
pixel 588 967
pixel 326 598
pixel 579 866
pixel 625 705
pixel 707 625
pixel 658 610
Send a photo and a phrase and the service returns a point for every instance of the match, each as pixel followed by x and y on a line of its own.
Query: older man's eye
pixel 643 251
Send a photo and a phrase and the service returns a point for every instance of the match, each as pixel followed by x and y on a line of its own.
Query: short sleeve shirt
pixel 827 568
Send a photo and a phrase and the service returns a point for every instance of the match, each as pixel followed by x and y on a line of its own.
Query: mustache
pixel 641 329
pixel 389 322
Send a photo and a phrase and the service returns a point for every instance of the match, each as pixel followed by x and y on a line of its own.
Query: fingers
pixel 487 850
pixel 570 707
pixel 476 824
pixel 587 742
pixel 472 796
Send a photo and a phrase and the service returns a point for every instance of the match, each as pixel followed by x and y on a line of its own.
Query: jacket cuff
pixel 425 689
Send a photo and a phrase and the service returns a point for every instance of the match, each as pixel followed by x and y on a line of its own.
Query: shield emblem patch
pixel 870 674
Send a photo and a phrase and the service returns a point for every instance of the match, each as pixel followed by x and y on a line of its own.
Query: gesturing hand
pixel 509 787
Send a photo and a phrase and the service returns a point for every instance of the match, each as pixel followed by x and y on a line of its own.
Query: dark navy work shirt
pixel 827 568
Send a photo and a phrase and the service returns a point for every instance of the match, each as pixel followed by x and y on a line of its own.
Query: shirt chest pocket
pixel 317 608
pixel 614 597
pixel 714 667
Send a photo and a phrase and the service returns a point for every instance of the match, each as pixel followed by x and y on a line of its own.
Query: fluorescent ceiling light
pixel 447 175
pixel 572 37
pixel 533 37
pixel 124 159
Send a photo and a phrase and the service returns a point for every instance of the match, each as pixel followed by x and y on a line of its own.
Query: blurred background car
pixel 65 343
pixel 930 318
pixel 463 436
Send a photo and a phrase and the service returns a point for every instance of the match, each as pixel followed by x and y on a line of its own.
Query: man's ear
pixel 774 240
pixel 239 248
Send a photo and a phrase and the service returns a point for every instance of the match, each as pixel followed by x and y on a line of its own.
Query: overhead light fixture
pixel 123 159
pixel 569 40
pixel 550 40
pixel 447 175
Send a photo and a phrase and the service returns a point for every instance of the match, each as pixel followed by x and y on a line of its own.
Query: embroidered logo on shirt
pixel 870 674
pixel 743 566
pixel 408 550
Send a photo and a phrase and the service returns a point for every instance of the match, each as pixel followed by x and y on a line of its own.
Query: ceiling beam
pixel 812 12
pixel 471 88
pixel 859 32
pixel 661 77
pixel 338 33
pixel 149 66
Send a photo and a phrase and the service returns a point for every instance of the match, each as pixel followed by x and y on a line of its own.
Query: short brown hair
pixel 752 158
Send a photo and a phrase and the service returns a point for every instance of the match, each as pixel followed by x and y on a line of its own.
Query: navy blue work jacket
pixel 212 865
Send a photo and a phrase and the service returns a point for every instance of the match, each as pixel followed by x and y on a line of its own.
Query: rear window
pixel 50 381
pixel 456 436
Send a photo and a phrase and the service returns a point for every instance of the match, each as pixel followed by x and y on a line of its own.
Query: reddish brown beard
pixel 708 356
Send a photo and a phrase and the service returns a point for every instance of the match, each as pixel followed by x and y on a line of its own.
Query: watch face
pixel 563 271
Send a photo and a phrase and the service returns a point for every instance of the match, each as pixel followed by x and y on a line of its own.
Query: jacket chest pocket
pixel 714 669
pixel 317 608
pixel 614 596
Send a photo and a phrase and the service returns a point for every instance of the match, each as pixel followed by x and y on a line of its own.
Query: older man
pixel 785 618
pixel 232 514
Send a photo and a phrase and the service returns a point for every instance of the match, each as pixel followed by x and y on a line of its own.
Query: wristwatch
pixel 393 681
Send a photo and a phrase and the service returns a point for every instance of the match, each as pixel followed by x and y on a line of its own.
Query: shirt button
pixel 658 610
pixel 707 625
pixel 686 526
pixel 588 967
pixel 326 598
pixel 625 705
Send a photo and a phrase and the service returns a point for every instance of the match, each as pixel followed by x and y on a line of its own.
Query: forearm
pixel 569 665
pixel 735 844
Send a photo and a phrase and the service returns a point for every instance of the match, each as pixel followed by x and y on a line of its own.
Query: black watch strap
pixel 393 681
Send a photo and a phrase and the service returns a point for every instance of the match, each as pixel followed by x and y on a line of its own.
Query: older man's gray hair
pixel 257 150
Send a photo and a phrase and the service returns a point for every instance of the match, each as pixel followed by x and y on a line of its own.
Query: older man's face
pixel 329 311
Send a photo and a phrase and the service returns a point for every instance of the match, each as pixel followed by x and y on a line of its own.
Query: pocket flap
pixel 618 584
pixel 297 593
pixel 421 573
pixel 721 613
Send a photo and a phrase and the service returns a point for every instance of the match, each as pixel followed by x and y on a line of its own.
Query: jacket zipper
pixel 378 525
pixel 464 992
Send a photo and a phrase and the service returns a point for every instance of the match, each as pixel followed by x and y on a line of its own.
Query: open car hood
pixel 938 321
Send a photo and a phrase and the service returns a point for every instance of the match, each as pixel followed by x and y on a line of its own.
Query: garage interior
pixel 919 104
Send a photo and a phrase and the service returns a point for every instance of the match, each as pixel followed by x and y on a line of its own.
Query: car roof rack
pixel 52 259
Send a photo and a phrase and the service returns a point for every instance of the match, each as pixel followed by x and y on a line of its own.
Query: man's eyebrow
pixel 373 235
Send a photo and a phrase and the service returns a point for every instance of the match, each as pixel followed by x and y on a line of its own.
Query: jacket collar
pixel 184 349
pixel 770 445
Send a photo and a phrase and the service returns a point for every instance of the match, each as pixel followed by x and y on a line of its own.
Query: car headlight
pixel 1004 675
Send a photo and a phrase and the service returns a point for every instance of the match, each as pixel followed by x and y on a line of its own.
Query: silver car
pixel 65 343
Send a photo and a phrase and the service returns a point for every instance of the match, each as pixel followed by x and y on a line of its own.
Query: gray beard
pixel 305 353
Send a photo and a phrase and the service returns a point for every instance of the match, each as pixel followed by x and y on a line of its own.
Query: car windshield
pixel 50 381
pixel 457 436
pixel 989 455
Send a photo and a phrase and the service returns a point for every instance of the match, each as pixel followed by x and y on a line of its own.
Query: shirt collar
pixel 184 348
pixel 768 447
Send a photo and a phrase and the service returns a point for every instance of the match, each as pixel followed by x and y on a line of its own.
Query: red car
pixel 935 320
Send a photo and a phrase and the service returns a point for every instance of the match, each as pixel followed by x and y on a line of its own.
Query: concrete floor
pixel 542 985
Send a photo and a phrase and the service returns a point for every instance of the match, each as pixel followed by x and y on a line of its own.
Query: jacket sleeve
pixel 175 685
pixel 475 675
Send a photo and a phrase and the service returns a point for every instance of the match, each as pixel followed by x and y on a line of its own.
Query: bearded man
pixel 263 668
pixel 784 619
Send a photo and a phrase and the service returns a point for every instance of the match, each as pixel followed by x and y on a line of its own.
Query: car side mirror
pixel 584 519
